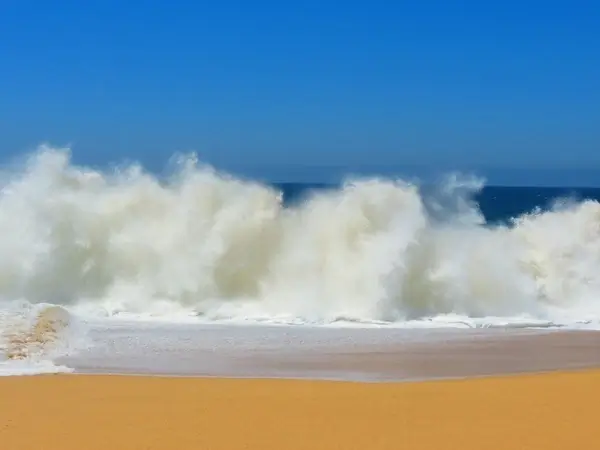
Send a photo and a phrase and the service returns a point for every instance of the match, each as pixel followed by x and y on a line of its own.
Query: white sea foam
pixel 28 367
pixel 202 243
pixel 32 335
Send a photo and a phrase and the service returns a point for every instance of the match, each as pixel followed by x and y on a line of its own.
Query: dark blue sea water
pixel 497 203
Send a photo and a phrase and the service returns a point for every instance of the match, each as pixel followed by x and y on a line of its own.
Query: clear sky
pixel 436 84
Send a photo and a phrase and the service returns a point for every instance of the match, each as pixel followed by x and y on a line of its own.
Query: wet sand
pixel 96 412
pixel 457 357
pixel 336 354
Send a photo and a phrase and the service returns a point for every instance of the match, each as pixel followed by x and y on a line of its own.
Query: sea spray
pixel 200 242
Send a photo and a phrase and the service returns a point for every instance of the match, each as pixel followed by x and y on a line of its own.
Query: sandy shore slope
pixel 80 412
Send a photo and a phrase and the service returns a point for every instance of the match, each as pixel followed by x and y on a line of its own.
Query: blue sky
pixel 497 86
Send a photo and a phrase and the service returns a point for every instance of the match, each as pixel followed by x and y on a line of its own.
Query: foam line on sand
pixel 526 412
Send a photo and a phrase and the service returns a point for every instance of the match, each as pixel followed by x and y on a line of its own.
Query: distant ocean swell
pixel 207 244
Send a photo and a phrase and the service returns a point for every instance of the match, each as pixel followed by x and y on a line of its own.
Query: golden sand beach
pixel 89 412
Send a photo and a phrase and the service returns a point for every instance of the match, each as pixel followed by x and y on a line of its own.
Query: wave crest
pixel 207 243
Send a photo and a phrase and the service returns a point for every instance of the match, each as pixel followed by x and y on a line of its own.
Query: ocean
pixel 497 204
pixel 108 270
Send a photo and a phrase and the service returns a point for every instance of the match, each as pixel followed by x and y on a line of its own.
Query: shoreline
pixel 532 411
pixel 498 376
pixel 455 356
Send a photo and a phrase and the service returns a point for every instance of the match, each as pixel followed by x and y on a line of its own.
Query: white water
pixel 205 244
